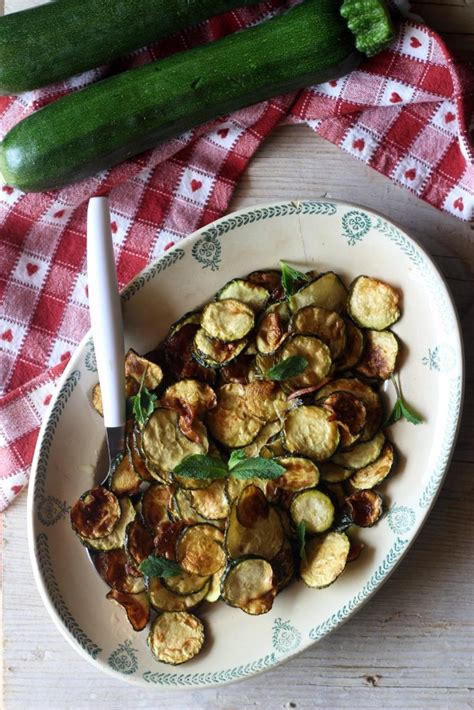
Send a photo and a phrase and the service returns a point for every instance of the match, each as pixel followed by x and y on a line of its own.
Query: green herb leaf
pixel 159 567
pixel 235 457
pixel 401 408
pixel 257 467
pixel 394 415
pixel 142 403
pixel 200 466
pixel 409 414
pixel 291 279
pixel 288 368
pixel 301 537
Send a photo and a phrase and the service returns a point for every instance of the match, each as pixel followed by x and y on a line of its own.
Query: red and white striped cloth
pixel 406 113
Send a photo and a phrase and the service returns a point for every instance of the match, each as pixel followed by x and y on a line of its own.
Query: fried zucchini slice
pixel 314 509
pixel 284 566
pixel 231 422
pixel 136 606
pixel 214 353
pixel 247 292
pixel 210 502
pixel 235 486
pixel 214 593
pixel 376 472
pixel 155 504
pixel 191 399
pixel 166 537
pixel 350 413
pixel 113 566
pixel 326 291
pixel 193 318
pixel 185 584
pixel 251 506
pixel 273 328
pixel 362 454
pixel 138 542
pixel 328 326
pixel 238 372
pixel 138 368
pixel 96 514
pixel 265 400
pixel 136 458
pixel 364 508
pixel 354 346
pixel 325 559
pixel 97 399
pixel 124 480
pixel 164 444
pixel 309 431
pixel 373 303
pixel 266 434
pixel 176 637
pixel 316 353
pixel 199 549
pixel 162 599
pixel 379 358
pixel 300 473
pixel 227 320
pixel 186 511
pixel 365 393
pixel 268 278
pixel 249 584
pixel 332 473
pixel 116 538
pixel 263 539
pixel 180 356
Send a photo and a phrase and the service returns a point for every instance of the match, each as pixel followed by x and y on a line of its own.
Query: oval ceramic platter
pixel 318 235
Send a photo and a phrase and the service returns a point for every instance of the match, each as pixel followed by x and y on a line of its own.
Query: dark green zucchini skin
pixel 115 119
pixel 51 42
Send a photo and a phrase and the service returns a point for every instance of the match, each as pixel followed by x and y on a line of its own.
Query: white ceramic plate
pixel 322 235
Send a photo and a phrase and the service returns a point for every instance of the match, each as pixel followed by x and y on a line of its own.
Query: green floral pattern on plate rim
pixel 285 640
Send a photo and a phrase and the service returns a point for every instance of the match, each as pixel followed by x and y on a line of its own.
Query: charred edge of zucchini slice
pixel 138 541
pixel 373 303
pixel 199 549
pixel 185 584
pixel 176 637
pixel 326 291
pixel 265 400
pixel 162 599
pixel 326 325
pixel 268 278
pixel 116 538
pixel 164 444
pixel 136 458
pixel 309 431
pixel 332 473
pixel 251 294
pixel 376 472
pixel 354 346
pixel 231 422
pixel 185 511
pixel 355 550
pixel 213 353
pixel 326 558
pixel 113 567
pixel 210 502
pixel 155 503
pixel 273 328
pixel 361 391
pixel 300 473
pixel 314 509
pixel 284 566
pixel 362 454
pixel 180 357
pixel 238 372
pixel 249 584
pixel 136 606
pixel 96 514
pixel 379 358
pixel 124 480
pixel 139 368
pixel 234 486
pixel 192 317
pixel 227 320
pixel 316 353
pixel 166 537
pixel 364 508
pixel 264 539
pixel 347 410
pixel 252 505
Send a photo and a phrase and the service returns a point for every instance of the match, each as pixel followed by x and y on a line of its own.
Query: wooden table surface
pixel 412 645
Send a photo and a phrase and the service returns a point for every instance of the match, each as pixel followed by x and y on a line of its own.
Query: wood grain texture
pixel 412 645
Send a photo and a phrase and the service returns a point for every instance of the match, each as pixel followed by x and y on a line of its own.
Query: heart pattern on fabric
pixel 7 335
pixel 415 42
pixel 31 268
pixel 65 356
pixel 333 83
pixel 169 245
pixel 410 174
pixel 450 116
pixel 196 185
pixel 16 489
pixel 223 132
pixel 359 144
pixel 7 189
pixel 59 214
pixel 47 399
pixel 458 204
pixel 395 98
pixel 114 227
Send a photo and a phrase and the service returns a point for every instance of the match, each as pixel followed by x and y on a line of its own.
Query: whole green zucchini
pixel 52 42
pixel 115 119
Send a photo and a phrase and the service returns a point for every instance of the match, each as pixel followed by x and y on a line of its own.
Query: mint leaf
pixel 288 368
pixel 401 408
pixel 409 414
pixel 394 415
pixel 142 403
pixel 291 279
pixel 200 466
pixel 257 467
pixel 235 457
pixel 301 537
pixel 159 567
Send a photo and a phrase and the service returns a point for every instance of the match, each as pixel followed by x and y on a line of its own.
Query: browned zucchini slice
pixel 238 372
pixel 235 486
pixel 300 473
pixel 186 511
pixel 138 541
pixel 326 325
pixel 309 431
pixel 350 413
pixel 162 599
pixel 113 566
pixel 284 566
pixel 124 480
pixel 179 355
pixel 314 509
pixel 366 394
pixel 379 358
pixel 365 508
pixel 249 584
pixel 116 538
pixel 155 505
pixel 231 422
pixel 376 472
pixel 164 444
pixel 139 368
pixel 373 303
pixel 326 291
pixel 192 317
pixel 264 539
pixel 96 513
pixel 362 454
pixel 176 637
pixel 247 292
pixel 273 328
pixel 97 400
pixel 136 457
pixel 137 607
pixel 227 320
pixel 354 346
pixel 265 400
pixel 316 353
pixel 332 473
pixel 214 353
pixel 199 549
pixel 251 506
pixel 268 278
pixel 355 551
pixel 325 559
pixel 185 584
pixel 191 399
pixel 166 537
pixel 210 502
pixel 266 434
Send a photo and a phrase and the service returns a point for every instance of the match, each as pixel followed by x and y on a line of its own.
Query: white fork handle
pixel 105 312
